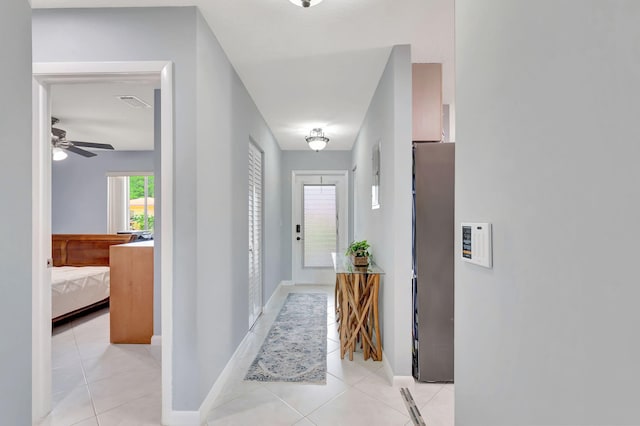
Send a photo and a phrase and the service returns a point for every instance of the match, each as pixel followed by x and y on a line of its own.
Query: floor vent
pixel 414 413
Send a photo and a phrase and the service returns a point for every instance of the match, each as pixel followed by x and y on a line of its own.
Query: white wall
pixel 227 120
pixel 388 229
pixel 79 189
pixel 547 150
pixel 15 213
pixel 214 117
pixel 157 243
pixel 304 160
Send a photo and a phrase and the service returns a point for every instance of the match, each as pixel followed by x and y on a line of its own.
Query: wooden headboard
pixel 85 249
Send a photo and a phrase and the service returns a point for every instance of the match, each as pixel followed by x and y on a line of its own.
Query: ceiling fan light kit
pixel 58 154
pixel 317 140
pixel 61 144
pixel 305 3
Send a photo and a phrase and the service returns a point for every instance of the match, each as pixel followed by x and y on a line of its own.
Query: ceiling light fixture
pixel 305 3
pixel 317 140
pixel 58 154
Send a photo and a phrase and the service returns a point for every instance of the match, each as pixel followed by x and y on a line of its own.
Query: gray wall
pixel 547 150
pixel 227 120
pixel 214 117
pixel 15 211
pixel 388 229
pixel 303 160
pixel 79 189
pixel 153 34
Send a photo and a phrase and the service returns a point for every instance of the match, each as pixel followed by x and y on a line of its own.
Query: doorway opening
pixel 44 76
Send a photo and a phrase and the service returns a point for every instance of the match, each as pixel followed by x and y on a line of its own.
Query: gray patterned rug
pixel 295 350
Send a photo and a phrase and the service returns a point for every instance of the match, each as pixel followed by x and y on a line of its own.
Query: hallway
pixel 357 392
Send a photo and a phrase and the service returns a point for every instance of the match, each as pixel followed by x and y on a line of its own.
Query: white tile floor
pixel 95 383
pixel 357 392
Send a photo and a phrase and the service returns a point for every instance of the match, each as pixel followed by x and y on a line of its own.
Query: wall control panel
pixel 476 243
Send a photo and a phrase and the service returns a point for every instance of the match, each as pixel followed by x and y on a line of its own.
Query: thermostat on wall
pixel 476 243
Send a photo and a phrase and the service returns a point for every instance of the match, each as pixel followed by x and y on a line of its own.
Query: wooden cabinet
pixel 131 300
pixel 427 102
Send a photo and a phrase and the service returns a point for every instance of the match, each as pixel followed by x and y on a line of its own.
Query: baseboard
pixel 182 418
pixel 391 378
pixel 156 340
pixel 268 306
pixel 218 386
pixel 388 371
pixel 403 381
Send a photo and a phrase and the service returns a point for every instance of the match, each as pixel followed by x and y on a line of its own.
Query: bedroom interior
pixel 89 217
pixel 80 277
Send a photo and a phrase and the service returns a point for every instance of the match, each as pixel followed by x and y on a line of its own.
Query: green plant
pixel 137 222
pixel 358 248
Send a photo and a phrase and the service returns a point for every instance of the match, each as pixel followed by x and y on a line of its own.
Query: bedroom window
pixel 131 203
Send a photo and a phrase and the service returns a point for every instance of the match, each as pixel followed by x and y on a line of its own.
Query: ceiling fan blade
pixel 59 133
pixel 92 145
pixel 79 151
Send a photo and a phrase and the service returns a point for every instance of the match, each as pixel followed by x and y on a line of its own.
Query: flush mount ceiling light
pixel 305 3
pixel 317 140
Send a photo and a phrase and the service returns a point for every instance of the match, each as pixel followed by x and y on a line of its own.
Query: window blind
pixel 320 225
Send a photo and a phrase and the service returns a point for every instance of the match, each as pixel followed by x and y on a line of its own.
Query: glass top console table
pixel 356 297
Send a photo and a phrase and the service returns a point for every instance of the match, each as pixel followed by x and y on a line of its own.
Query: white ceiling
pixel 93 113
pixel 319 66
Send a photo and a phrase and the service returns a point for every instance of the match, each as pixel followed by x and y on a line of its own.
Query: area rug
pixel 295 350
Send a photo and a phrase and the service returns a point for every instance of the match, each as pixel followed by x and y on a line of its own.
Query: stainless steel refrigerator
pixel 433 254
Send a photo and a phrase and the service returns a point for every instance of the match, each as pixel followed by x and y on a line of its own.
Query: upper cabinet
pixel 427 102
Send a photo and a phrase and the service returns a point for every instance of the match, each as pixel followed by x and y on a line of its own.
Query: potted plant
pixel 359 252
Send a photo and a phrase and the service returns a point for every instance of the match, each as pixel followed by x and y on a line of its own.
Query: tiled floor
pixel 95 383
pixel 357 392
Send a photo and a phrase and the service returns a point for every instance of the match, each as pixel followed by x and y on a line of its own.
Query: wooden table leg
pixel 352 328
pixel 366 329
pixel 376 325
pixel 359 328
pixel 344 316
pixel 336 299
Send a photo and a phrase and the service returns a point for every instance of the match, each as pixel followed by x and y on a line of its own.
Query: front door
pixel 319 224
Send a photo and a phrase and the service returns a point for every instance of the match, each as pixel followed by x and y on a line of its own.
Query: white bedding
pixel 76 287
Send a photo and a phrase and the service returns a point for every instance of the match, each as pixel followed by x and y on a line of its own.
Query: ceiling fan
pixel 59 140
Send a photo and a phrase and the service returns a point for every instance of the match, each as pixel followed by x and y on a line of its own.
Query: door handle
pixel 298 238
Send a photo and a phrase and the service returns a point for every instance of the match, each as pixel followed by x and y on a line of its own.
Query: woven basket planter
pixel 360 261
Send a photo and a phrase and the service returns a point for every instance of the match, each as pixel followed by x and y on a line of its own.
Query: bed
pixel 80 276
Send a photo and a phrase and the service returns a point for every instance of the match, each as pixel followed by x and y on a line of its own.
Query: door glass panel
pixel 320 226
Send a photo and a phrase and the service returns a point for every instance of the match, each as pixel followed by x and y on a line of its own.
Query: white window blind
pixel 255 233
pixel 320 225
